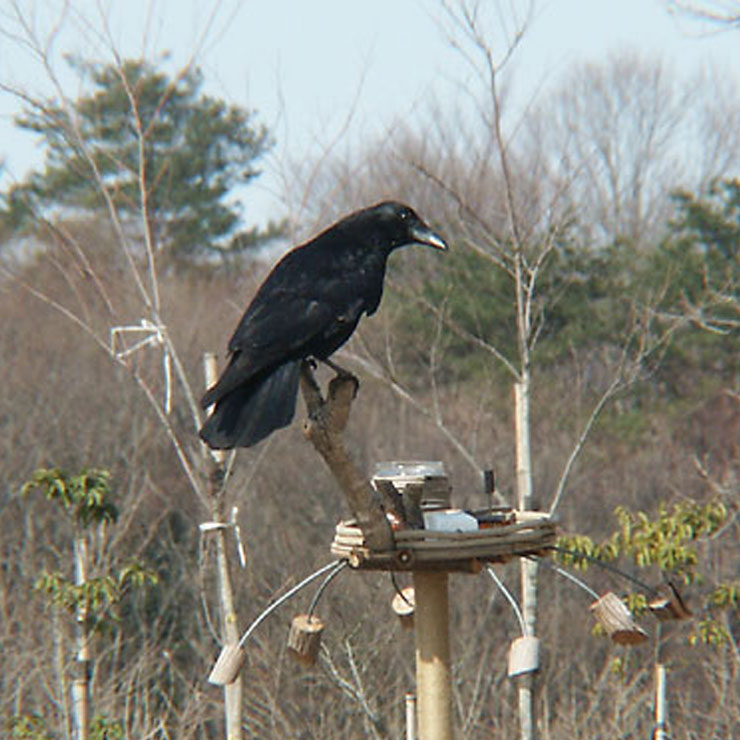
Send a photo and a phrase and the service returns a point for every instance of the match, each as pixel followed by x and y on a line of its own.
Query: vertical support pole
pixel 410 716
pixel 81 684
pixel 661 718
pixel 528 567
pixel 523 451
pixel 433 674
pixel 230 630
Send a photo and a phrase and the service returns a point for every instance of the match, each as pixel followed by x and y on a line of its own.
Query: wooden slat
pixel 478 542
pixel 425 549
pixel 409 535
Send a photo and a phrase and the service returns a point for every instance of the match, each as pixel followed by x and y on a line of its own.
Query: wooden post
pixel 233 691
pixel 433 675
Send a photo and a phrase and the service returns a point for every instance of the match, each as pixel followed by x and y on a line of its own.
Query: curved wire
pixel 320 590
pixel 606 566
pixel 287 595
pixel 505 591
pixel 571 577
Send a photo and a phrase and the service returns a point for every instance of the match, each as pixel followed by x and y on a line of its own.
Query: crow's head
pixel 395 225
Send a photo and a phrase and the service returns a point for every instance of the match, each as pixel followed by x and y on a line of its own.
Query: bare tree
pixel 621 134
pixel 126 332
pixel 504 204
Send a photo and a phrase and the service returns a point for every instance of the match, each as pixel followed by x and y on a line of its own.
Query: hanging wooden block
pixel 304 638
pixel 228 665
pixel 403 605
pixel 524 655
pixel 614 616
pixel 669 606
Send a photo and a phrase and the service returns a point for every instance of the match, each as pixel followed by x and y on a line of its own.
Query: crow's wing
pixel 308 305
pixel 274 330
pixel 267 336
pixel 278 332
pixel 306 295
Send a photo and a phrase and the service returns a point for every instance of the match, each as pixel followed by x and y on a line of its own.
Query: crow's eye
pixel 405 214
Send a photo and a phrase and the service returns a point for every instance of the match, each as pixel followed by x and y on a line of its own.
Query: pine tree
pixel 135 125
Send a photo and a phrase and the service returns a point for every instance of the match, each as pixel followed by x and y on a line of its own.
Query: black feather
pixel 251 411
pixel 308 306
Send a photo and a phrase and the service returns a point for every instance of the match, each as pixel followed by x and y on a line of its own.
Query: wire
pixel 509 598
pixel 340 566
pixel 605 566
pixel 570 577
pixel 287 595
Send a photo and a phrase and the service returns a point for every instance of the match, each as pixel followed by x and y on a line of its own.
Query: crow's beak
pixel 422 234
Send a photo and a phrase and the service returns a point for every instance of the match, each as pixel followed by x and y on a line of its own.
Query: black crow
pixel 308 307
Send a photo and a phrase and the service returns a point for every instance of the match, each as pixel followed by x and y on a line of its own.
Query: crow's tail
pixel 251 411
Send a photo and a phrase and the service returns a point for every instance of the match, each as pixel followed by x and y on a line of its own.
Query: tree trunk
pixel 81 684
pixel 61 671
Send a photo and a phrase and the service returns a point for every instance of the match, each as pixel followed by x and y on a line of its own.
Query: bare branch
pixel 721 12
pixel 443 317
pixel 353 689
pixel 499 255
pixel 380 373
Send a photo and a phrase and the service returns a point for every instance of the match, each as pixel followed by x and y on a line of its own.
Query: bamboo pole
pixel 230 630
pixel 528 567
pixel 433 675
pixel 661 718
pixel 410 716
pixel 233 691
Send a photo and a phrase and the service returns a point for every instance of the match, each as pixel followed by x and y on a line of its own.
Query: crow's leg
pixel 342 374
pixel 338 369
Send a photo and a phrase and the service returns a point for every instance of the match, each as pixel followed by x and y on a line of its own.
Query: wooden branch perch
pixel 324 426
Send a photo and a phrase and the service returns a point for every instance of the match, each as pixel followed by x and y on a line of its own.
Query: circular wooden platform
pixel 524 533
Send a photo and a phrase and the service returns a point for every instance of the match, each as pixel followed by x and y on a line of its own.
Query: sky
pixel 323 71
